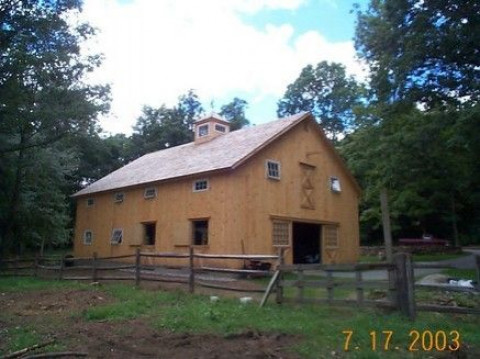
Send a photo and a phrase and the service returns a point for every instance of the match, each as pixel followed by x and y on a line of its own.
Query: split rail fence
pixel 336 288
pixel 112 268
pixel 300 283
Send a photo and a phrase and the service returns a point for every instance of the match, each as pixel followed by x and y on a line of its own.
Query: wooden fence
pixel 97 268
pixel 399 286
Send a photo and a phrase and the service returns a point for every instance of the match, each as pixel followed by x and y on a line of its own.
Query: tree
pixel 422 51
pixel 163 127
pixel 234 112
pixel 42 97
pixel 328 93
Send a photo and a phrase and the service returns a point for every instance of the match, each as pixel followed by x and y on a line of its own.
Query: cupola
pixel 209 127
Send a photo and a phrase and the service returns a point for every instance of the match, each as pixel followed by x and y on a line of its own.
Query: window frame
pixel 278 170
pixel 327 241
pixel 145 196
pixel 85 242
pixel 201 128
pixel 204 241
pixel 194 185
pixel 90 202
pixel 276 233
pixel 116 196
pixel 113 238
pixel 220 128
pixel 335 185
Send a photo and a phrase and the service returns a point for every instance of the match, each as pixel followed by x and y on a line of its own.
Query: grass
pixel 319 329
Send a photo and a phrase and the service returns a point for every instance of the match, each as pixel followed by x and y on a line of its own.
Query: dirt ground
pixel 50 313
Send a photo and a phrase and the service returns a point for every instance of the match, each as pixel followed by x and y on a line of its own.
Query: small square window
pixel 117 236
pixel 119 197
pixel 200 185
pixel 200 232
pixel 150 193
pixel 273 169
pixel 203 130
pixel 220 128
pixel 90 202
pixel 88 237
pixel 335 185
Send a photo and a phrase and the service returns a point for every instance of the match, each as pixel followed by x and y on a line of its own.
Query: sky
pixel 156 50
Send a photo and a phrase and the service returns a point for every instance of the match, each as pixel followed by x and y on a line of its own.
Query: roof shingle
pixel 223 152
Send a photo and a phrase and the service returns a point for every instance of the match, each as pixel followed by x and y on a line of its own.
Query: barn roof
pixel 223 152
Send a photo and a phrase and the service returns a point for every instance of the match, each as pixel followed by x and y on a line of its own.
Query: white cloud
pixel 157 50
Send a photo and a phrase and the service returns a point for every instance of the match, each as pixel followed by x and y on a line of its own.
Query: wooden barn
pixel 279 184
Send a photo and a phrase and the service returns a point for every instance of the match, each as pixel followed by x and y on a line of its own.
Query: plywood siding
pixel 239 205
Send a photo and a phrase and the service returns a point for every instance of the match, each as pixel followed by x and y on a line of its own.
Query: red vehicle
pixel 426 240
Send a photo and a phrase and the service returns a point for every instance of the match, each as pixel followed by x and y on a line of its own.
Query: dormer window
pixel 335 185
pixel 273 169
pixel 203 130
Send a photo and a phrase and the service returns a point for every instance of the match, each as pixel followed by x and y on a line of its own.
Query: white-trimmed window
pixel 335 185
pixel 220 128
pixel 90 202
pixel 117 236
pixel 150 192
pixel 203 130
pixel 200 185
pixel 280 233
pixel 273 169
pixel 119 197
pixel 88 237
pixel 330 235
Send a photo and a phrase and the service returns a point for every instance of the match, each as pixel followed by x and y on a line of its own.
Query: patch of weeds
pixel 11 284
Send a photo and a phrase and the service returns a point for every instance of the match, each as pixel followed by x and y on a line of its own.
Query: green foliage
pixel 420 143
pixel 160 128
pixel 334 98
pixel 44 102
pixel 422 51
pixel 234 112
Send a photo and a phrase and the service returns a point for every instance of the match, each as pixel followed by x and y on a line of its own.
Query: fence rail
pixel 297 279
pixel 91 267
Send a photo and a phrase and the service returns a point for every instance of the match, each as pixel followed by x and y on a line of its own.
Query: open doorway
pixel 149 233
pixel 306 243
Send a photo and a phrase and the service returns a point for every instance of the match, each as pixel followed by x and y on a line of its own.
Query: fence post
pixel 281 261
pixel 405 284
pixel 477 262
pixel 94 267
pixel 137 267
pixel 301 285
pixel 62 266
pixel 359 285
pixel 330 286
pixel 191 277
pixel 15 269
pixel 35 265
